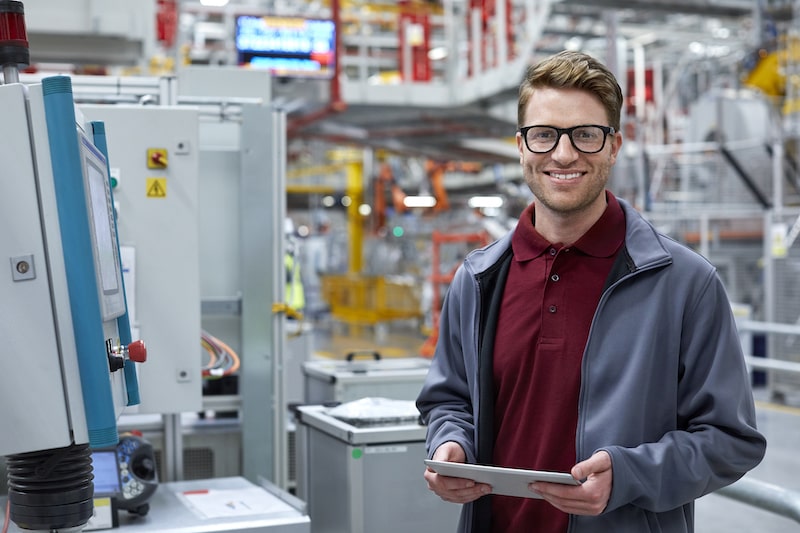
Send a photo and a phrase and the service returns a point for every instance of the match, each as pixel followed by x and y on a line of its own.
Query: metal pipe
pixel 768 327
pixel 745 177
pixel 10 74
pixel 767 363
pixel 764 496
pixel 777 176
pixel 501 33
pixel 355 229
pixel 772 364
pixel 769 286
pixel 475 42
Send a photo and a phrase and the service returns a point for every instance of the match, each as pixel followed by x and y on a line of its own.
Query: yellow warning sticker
pixel 156 187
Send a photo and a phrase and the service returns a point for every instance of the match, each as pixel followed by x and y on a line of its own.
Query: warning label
pixel 156 187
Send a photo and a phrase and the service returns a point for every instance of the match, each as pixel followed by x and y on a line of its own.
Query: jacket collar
pixel 642 241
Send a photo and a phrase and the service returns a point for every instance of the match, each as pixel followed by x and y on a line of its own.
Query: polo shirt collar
pixel 602 240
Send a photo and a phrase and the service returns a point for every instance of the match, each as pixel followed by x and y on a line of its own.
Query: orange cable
pixel 211 354
pixel 236 362
pixel 8 514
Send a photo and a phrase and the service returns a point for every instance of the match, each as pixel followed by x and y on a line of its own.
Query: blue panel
pixel 79 261
pixel 123 321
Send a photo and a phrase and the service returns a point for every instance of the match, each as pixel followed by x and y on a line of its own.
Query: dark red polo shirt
pixel 548 304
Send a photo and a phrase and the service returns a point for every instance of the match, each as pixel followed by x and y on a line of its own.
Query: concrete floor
pixel 780 467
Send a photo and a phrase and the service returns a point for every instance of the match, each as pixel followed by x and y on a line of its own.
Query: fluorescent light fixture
pixel 438 53
pixel 504 147
pixel 419 201
pixel 214 3
pixel 480 202
pixel 573 44
pixel 697 48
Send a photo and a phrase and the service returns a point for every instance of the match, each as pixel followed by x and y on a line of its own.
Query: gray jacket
pixel 664 387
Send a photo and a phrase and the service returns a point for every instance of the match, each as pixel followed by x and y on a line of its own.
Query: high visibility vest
pixel 295 296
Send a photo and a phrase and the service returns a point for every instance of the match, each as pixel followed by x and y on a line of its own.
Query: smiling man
pixel 586 342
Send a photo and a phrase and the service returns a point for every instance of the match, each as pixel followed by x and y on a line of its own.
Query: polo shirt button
pixel 554 277
pixel 552 251
pixel 553 308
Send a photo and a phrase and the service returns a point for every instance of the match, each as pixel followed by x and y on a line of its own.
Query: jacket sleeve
pixel 715 441
pixel 445 401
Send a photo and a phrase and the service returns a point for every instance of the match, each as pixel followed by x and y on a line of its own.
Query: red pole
pixel 336 102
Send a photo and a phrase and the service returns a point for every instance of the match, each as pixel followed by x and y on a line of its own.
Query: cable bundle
pixel 223 361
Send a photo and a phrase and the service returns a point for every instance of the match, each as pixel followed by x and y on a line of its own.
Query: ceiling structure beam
pixel 714 8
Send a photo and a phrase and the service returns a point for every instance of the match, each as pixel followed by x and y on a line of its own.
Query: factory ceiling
pixel 706 8
pixel 441 134
pixel 722 31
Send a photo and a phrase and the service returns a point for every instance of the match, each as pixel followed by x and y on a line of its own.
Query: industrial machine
pixel 68 367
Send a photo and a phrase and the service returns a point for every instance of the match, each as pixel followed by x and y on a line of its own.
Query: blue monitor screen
pixel 104 237
pixel 106 472
pixel 287 46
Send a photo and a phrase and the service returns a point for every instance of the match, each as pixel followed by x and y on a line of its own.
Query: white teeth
pixel 565 176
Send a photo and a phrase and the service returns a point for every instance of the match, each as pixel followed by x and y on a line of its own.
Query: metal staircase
pixel 429 54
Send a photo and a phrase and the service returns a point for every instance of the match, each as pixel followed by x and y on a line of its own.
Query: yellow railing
pixel 366 300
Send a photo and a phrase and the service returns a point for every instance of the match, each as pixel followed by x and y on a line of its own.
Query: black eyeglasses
pixel 586 138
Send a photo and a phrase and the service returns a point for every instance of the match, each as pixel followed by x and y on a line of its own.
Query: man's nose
pixel 564 150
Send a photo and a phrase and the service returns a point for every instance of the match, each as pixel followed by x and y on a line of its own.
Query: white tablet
pixel 506 481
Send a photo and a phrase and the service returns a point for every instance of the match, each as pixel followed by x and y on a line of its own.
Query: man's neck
pixel 566 228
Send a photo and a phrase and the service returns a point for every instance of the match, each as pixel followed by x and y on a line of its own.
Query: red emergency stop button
pixel 137 351
pixel 157 158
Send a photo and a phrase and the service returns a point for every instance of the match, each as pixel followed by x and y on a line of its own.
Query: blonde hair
pixel 573 70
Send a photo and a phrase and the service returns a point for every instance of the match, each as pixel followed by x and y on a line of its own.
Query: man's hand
pixel 453 489
pixel 589 498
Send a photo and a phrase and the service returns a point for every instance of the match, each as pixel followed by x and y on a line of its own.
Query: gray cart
pixel 366 479
pixel 343 381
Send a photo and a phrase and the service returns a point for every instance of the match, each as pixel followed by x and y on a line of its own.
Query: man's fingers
pixel 589 498
pixel 599 462
pixel 455 489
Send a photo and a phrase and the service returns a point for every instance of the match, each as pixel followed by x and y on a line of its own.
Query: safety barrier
pixel 759 494
pixel 765 496
pixel 752 326
pixel 367 300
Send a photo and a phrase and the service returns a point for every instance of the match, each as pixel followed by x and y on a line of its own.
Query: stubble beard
pixel 575 202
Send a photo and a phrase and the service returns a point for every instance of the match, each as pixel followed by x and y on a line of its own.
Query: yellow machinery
pixel 775 74
pixel 360 300
pixel 354 298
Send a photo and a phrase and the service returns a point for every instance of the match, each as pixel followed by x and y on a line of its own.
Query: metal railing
pixel 764 496
pixel 753 492
pixel 762 363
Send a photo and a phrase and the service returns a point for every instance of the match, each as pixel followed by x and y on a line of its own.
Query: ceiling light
pixel 438 53
pixel 573 43
pixel 214 3
pixel 697 48
pixel 419 201
pixel 722 33
pixel 477 202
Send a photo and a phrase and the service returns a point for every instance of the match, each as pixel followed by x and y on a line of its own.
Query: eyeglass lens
pixel 587 139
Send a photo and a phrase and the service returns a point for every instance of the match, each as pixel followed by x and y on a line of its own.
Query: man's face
pixel 565 181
